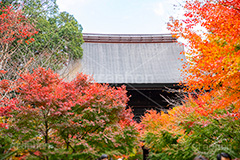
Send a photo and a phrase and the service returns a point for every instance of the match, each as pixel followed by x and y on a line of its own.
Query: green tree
pixel 59 37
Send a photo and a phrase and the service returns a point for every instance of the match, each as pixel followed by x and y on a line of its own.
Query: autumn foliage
pixel 183 133
pixel 208 121
pixel 215 52
pixel 15 29
pixel 51 118
pixel 44 117
pixel 14 26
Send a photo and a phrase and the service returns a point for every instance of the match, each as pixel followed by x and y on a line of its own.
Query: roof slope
pixel 109 60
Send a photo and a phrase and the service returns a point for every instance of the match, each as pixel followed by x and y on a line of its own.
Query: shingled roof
pixel 130 58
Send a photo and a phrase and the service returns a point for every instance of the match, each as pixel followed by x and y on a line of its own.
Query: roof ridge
pixel 128 38
pixel 105 34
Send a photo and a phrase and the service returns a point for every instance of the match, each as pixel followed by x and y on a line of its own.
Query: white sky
pixel 122 16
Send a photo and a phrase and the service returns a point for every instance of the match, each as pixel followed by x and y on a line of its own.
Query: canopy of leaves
pixel 59 37
pixel 15 29
pixel 185 132
pixel 72 120
pixel 214 54
pixel 33 34
pixel 207 123
pixel 59 32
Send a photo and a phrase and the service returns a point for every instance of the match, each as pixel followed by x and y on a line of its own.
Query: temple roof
pixel 130 59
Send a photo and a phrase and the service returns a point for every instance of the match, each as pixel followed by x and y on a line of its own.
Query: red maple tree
pixel 81 118
pixel 15 29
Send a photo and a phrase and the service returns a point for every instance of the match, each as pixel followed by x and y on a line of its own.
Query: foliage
pixel 53 40
pixel 58 41
pixel 183 133
pixel 15 30
pixel 43 117
pixel 208 122
pixel 54 119
pixel 59 32
pixel 214 54
pixel 162 133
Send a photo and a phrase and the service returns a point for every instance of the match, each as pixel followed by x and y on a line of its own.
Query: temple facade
pixel 145 63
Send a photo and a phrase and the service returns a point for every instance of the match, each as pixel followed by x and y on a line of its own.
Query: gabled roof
pixel 130 59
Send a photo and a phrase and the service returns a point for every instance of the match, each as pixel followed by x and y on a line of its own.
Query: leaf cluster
pixel 80 119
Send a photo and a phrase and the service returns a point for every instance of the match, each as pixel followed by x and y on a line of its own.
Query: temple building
pixel 145 63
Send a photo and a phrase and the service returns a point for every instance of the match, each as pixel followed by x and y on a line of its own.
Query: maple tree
pixel 207 123
pixel 185 132
pixel 15 29
pixel 162 133
pixel 18 36
pixel 51 118
pixel 41 116
pixel 214 53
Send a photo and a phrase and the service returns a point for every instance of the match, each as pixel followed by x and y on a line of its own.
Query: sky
pixel 122 16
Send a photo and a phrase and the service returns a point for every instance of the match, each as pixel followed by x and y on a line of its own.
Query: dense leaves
pixel 59 32
pixel 214 53
pixel 42 116
pixel 80 119
pixel 58 39
pixel 183 133
pixel 208 122
pixel 15 29
pixel 20 52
